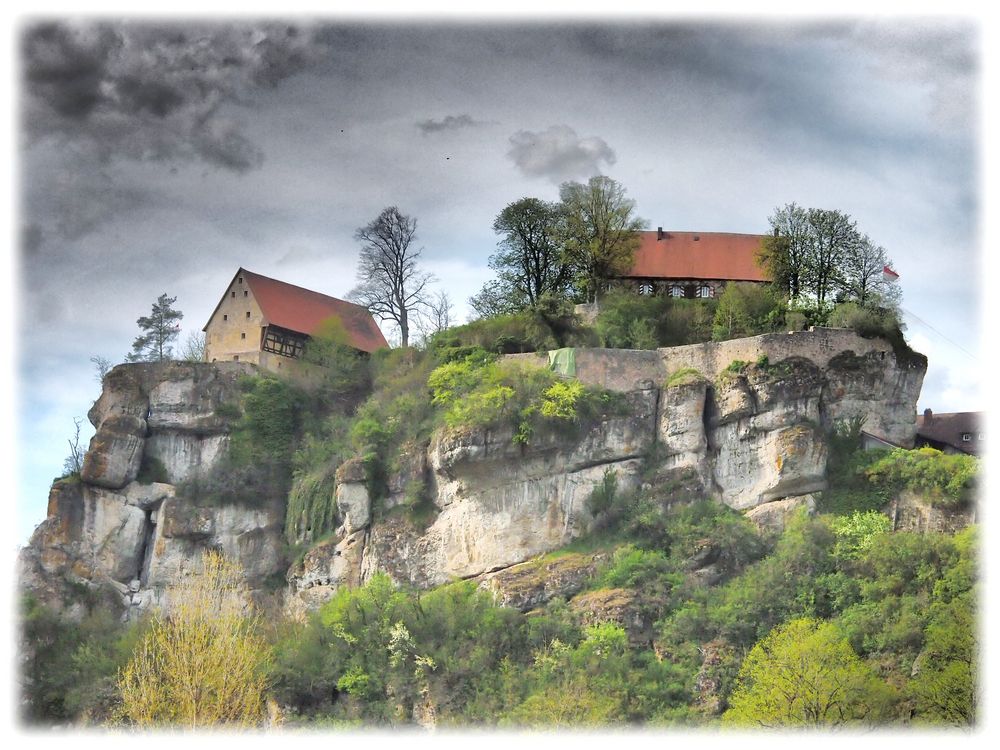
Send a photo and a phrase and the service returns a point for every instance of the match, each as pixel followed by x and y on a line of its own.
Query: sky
pixel 158 156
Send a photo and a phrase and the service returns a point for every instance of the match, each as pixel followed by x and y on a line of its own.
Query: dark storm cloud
pixel 451 122
pixel 156 92
pixel 558 153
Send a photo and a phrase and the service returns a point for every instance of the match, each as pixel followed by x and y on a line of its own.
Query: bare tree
pixel 73 464
pixel 194 347
pixel 103 365
pixel 436 315
pixel 862 272
pixel 390 284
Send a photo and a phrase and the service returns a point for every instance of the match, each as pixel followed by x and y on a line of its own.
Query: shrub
pixel 746 309
pixel 603 495
pixel 684 376
pixel 629 321
pixel 151 469
pixel 947 479
pixel 857 532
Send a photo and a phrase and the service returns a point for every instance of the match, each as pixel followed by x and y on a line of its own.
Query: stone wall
pixel 819 345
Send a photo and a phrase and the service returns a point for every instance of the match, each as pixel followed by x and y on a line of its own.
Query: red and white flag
pixel 889 275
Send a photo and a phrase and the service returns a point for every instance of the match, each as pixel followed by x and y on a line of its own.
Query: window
pixel 704 291
pixel 248 314
pixel 246 293
pixel 966 437
pixel 236 358
pixel 676 291
pixel 981 436
pixel 225 317
pixel 240 279
pixel 243 335
pixel 646 288
pixel 234 294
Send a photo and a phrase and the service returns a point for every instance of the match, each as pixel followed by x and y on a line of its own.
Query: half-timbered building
pixel 268 322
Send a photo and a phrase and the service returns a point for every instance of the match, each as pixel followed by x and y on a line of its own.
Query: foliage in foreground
pixel 805 673
pixel 204 665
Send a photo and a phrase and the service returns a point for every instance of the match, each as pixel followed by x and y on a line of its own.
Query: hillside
pixel 642 523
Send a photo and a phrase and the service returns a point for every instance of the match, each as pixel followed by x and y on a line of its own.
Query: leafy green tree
pixel 600 231
pixel 805 673
pixel 343 369
pixel 746 309
pixel 159 330
pixel 68 668
pixel 784 251
pixel 833 237
pixel 945 685
pixel 857 532
pixel 530 263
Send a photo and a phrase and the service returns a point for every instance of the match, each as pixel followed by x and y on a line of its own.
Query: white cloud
pixel 559 153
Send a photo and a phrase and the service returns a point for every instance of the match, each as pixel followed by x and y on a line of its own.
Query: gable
pixel 303 311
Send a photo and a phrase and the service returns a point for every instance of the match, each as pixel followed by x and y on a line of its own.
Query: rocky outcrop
pixel 532 584
pixel 774 516
pixel 115 531
pixel 912 511
pixel 619 606
pixel 749 430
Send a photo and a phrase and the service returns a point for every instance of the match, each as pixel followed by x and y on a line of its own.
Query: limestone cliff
pixel 743 421
pixel 115 530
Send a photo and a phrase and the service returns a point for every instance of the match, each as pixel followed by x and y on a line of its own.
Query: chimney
pixel 928 415
pixel 659 233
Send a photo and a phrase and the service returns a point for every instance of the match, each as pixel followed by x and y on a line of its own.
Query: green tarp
pixel 563 361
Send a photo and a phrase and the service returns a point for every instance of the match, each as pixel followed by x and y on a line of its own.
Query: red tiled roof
pixel 698 255
pixel 948 429
pixel 302 310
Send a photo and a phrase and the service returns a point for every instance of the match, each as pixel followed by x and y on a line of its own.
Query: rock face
pixel 112 532
pixel 751 433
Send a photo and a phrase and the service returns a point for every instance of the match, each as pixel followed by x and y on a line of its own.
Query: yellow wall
pixel 224 335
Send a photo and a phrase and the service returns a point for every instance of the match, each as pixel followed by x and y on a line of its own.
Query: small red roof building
pixel 266 321
pixel 694 264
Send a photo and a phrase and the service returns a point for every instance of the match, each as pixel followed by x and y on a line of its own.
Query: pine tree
pixel 159 331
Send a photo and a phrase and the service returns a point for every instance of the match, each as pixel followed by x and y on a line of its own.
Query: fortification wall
pixel 819 345
pixel 627 369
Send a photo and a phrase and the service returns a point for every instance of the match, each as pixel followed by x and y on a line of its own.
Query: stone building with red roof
pixel 693 264
pixel 268 322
